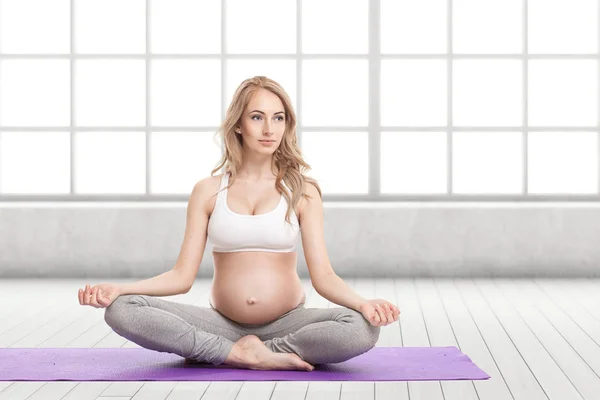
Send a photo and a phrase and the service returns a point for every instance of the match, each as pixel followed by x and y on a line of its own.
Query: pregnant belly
pixel 256 289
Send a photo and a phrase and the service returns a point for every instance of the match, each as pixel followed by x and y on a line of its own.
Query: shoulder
pixel 315 198
pixel 204 192
pixel 312 191
pixel 208 185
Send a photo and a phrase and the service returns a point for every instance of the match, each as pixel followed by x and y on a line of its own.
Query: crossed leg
pixel 317 335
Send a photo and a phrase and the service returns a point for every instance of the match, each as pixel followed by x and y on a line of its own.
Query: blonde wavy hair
pixel 287 162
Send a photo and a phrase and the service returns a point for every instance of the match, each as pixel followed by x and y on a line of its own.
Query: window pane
pixel 35 162
pixel 413 92
pixel 110 162
pixel 180 159
pixel 186 92
pixel 335 92
pixel 34 26
pixel 562 26
pixel 413 162
pixel 403 21
pixel 487 93
pixel 338 171
pixel 34 93
pixel 563 162
pixel 487 162
pixel 110 26
pixel 323 34
pixel 563 92
pixel 487 26
pixel 185 26
pixel 261 26
pixel 110 92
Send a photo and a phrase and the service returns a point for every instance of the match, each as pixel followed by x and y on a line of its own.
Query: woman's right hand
pixel 99 296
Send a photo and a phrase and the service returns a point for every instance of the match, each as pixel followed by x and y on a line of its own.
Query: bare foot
pixel 250 352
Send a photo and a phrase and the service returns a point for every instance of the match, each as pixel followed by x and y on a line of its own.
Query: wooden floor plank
pixel 537 338
pixel 574 351
pixel 470 341
pixel 577 371
pixel 415 334
pixel 576 301
pixel 553 380
pixel 441 334
pixel 519 378
pixel 53 308
pixel 390 336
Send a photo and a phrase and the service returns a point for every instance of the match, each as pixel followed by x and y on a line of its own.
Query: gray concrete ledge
pixel 383 239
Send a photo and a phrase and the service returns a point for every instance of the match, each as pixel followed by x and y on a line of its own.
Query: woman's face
pixel 263 119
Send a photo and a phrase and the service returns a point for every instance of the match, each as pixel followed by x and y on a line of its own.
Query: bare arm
pixel 334 289
pixel 166 284
pixel 181 278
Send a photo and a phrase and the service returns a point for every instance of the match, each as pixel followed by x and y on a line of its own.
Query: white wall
pixel 114 240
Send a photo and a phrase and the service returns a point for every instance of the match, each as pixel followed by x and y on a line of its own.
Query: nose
pixel 267 127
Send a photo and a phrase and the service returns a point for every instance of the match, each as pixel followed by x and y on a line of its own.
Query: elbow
pixel 189 286
pixel 182 280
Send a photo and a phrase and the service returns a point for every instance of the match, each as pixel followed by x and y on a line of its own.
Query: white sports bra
pixel 229 231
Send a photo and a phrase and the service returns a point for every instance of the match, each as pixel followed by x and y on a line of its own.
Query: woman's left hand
pixel 379 312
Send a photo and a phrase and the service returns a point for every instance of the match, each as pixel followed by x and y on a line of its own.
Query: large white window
pixel 396 100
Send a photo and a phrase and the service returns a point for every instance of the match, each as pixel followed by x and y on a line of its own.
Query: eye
pixel 258 116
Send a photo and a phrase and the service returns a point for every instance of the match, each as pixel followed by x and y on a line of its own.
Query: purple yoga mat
pixel 139 364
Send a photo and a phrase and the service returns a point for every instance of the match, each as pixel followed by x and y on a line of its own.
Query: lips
pixel 266 140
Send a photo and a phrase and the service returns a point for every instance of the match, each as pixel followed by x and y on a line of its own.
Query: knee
pixel 116 315
pixel 374 330
pixel 372 334
pixel 363 330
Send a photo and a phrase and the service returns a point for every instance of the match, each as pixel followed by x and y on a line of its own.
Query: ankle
pixel 234 356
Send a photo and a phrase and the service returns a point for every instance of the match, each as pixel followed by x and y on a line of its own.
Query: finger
pixel 86 295
pixel 381 314
pixel 384 312
pixel 89 297
pixel 94 300
pixel 80 296
pixel 375 318
pixel 388 313
pixel 377 315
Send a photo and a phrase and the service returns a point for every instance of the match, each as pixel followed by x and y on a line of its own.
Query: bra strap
pixel 221 194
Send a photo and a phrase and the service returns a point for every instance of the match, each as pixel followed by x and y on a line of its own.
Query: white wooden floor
pixel 536 338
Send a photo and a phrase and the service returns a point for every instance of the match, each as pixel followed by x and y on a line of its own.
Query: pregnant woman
pixel 253 214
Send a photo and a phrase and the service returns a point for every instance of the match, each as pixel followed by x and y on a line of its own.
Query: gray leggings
pixel 317 335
